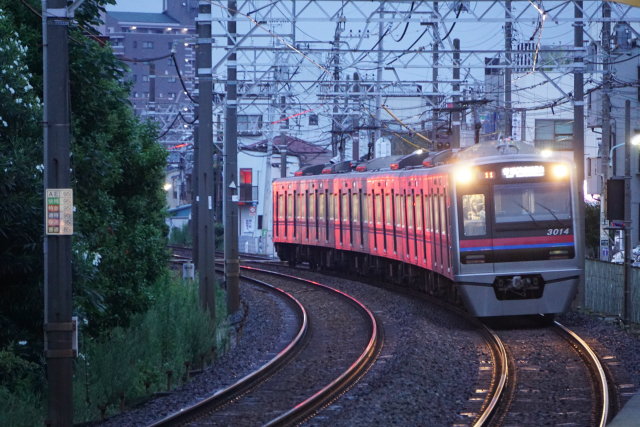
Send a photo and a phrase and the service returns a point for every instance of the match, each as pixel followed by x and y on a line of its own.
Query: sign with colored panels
pixel 59 211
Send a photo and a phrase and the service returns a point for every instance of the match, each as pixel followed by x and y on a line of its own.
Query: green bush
pixel 181 236
pixel 134 362
pixel 21 387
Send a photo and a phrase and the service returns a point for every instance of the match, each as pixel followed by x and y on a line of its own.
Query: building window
pixel 134 78
pixel 145 94
pixel 135 44
pixel 170 61
pixel 170 45
pixel 313 120
pixel 249 124
pixel 554 134
pixel 147 45
pixel 145 77
pixel 171 95
pixel 172 79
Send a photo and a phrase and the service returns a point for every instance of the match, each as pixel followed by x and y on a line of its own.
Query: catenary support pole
pixel 205 194
pixel 230 207
pixel 58 324
pixel 578 133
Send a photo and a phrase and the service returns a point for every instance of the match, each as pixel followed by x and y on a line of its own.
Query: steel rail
pixel 332 390
pixel 499 378
pixel 594 366
pixel 242 385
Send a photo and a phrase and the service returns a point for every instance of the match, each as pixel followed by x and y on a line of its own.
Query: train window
pixel 388 217
pixel 427 211
pixel 322 212
pixel 312 205
pixel 378 208
pixel 418 210
pixel 543 201
pixel 332 204
pixel 355 208
pixel 443 213
pixel 361 208
pixel 296 201
pixel 345 207
pixel 473 215
pixel 409 211
pixel 306 212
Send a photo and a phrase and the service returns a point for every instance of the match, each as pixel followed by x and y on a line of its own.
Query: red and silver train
pixel 493 224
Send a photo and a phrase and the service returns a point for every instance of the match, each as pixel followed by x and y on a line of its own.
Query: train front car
pixel 519 243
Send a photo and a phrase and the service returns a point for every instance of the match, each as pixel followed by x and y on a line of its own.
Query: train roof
pixel 424 158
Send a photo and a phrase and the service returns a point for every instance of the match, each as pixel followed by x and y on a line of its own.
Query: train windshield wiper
pixel 551 212
pixel 535 223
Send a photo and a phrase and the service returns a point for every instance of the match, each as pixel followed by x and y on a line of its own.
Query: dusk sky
pixel 137 6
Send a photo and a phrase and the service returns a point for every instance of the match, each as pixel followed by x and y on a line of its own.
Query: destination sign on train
pixel 522 171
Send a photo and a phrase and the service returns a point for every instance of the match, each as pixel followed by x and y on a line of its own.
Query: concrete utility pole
pixel 605 144
pixel 578 132
pixel 455 122
pixel 627 213
pixel 335 128
pixel 230 207
pixel 283 130
pixel 508 36
pixel 205 190
pixel 379 65
pixel 58 303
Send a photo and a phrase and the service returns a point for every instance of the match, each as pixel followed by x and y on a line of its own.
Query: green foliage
pixel 21 225
pixel 592 229
pixel 133 362
pixel 181 236
pixel 21 382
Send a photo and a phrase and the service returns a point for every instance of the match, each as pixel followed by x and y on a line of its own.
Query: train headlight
pixel 463 174
pixel 560 171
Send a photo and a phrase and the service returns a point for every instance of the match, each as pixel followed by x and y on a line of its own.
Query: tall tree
pixel 117 171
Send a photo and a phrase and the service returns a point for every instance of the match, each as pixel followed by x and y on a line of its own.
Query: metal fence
pixel 604 289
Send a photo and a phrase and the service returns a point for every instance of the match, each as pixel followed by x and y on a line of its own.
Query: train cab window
pixel 528 203
pixel 473 215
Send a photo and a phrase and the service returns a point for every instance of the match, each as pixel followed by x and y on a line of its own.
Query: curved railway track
pixel 554 379
pixel 318 365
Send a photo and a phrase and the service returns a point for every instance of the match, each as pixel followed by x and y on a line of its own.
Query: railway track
pixel 328 354
pixel 554 379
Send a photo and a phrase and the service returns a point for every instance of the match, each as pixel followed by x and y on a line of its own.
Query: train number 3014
pixel 557 231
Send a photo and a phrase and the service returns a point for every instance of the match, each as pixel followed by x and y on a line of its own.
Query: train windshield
pixel 532 202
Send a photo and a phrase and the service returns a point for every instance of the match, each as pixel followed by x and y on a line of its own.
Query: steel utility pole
pixel 230 207
pixel 578 132
pixel 205 191
pixel 58 324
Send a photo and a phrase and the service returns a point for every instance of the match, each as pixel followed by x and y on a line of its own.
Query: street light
pixel 635 140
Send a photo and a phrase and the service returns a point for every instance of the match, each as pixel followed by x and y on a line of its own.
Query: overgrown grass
pixel 154 354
